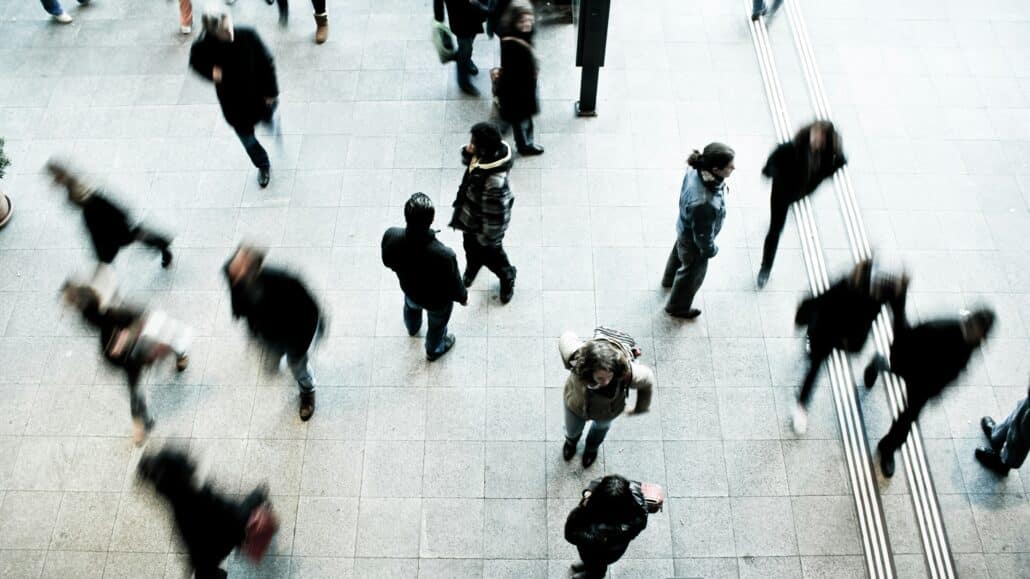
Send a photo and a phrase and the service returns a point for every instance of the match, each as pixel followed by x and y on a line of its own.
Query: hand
pixel 216 74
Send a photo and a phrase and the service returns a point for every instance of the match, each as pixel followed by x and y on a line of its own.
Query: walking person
pixel 517 84
pixel 601 374
pixel 428 273
pixel 108 224
pixel 321 17
pixel 1009 441
pixel 210 524
pixel 760 8
pixel 280 312
pixel 840 318
pixel 131 339
pixel 55 9
pixel 242 69
pixel 603 525
pixel 482 208
pixel 929 356
pixel 796 168
pixel 702 208
pixel 465 18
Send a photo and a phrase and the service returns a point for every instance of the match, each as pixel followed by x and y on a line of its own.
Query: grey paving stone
pixel 833 566
pixel 454 469
pixel 702 528
pixel 755 468
pixel 392 469
pixel 332 468
pixel 826 525
pixel 442 568
pixel 763 526
pixel 399 538
pixel 770 567
pixel 696 469
pixel 326 526
pixel 78 563
pixel 85 521
pixel 515 529
pixel 515 470
pixel 452 528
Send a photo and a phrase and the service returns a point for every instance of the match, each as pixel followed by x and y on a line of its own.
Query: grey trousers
pixel 1012 436
pixel 684 272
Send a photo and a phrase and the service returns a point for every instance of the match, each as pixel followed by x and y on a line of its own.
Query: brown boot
pixel 322 30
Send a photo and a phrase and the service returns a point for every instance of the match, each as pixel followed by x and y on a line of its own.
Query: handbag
pixel 261 527
pixel 443 40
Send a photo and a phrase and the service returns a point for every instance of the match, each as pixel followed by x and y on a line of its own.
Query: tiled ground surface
pixel 453 469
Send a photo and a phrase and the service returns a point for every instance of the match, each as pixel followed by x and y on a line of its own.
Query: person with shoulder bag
pixel 515 82
pixel 610 515
pixel 602 371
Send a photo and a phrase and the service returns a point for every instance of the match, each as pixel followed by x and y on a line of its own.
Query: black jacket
pixel 516 91
pixel 788 167
pixel 248 75
pixel 465 17
pixel 426 268
pixel 279 310
pixel 928 356
pixel 600 539
pixel 841 317
pixel 108 226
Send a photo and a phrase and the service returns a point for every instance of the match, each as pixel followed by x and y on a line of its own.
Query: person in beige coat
pixel 601 374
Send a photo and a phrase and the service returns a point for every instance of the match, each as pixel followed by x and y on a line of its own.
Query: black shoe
pixel 166 258
pixel 507 289
pixel 763 277
pixel 568 450
pixel 448 343
pixel 589 456
pixel 307 405
pixel 530 150
pixel 469 89
pixel 991 461
pixel 473 69
pixel 872 371
pixel 987 425
pixel 687 315
pixel 264 176
pixel 886 460
pixel 758 14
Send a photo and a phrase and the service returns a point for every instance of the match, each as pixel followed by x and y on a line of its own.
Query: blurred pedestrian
pixel 760 8
pixel 55 9
pixel 1009 441
pixel 321 17
pixel 465 18
pixel 797 168
pixel 602 371
pixel 428 274
pixel 702 208
pixel 840 318
pixel 242 69
pixel 482 208
pixel 603 525
pixel 929 356
pixel 107 223
pixel 131 339
pixel 516 85
pixel 210 524
pixel 186 16
pixel 280 312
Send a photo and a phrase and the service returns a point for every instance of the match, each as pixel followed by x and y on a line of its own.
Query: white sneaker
pixel 186 29
pixel 63 18
pixel 800 419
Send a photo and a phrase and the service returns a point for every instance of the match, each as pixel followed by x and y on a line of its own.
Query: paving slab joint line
pixel 924 497
pixel 879 559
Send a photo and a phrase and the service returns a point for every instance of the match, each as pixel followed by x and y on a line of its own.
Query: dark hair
pixel 486 137
pixel 170 470
pixel 613 499
pixel 714 156
pixel 982 317
pixel 831 138
pixel 599 355
pixel 419 211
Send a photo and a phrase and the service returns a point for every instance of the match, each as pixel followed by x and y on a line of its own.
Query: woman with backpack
pixel 602 371
pixel 516 79
pixel 609 516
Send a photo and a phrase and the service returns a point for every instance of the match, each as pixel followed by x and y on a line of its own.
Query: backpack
pixel 621 337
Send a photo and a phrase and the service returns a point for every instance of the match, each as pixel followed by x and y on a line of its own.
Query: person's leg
pixel 463 63
pixel 757 8
pixel 496 260
pixel 598 430
pixel 154 239
pixel 141 420
pixel 412 316
pixel 574 424
pixel 473 260
pixel 437 331
pixel 255 151
pixel 518 132
pixel 1014 448
pixel 186 16
pixel 898 432
pixel 777 221
pixel 671 266
pixel 53 7
pixel 318 6
pixel 301 370
pixel 815 363
pixel 284 11
pixel 321 21
pixel 687 282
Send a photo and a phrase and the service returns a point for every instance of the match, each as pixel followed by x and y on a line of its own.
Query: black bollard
pixel 590 46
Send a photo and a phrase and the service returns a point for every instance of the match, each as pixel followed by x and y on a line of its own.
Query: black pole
pixel 591 42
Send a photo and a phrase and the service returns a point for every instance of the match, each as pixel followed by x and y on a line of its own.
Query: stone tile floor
pixel 453 469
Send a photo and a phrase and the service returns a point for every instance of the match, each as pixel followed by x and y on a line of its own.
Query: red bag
pixel 654 495
pixel 261 527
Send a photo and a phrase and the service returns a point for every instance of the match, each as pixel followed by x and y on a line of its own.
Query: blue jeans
pixel 574 425
pixel 760 5
pixel 437 324
pixel 54 8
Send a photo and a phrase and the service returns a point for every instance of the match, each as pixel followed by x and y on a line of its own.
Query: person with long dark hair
pixel 604 523
pixel 796 168
pixel 702 208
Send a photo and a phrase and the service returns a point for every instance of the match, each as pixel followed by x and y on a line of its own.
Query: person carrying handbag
pixel 610 515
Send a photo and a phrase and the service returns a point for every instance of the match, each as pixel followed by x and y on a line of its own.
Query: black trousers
pixel 777 220
pixel 818 355
pixel 522 130
pixel 255 151
pixel 902 425
pixel 492 256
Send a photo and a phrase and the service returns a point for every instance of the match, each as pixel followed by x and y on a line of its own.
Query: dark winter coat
pixel 793 178
pixel 931 355
pixel 426 268
pixel 702 210
pixel 484 200
pixel 279 310
pixel 464 17
pixel 108 226
pixel 841 317
pixel 248 75
pixel 600 539
pixel 516 91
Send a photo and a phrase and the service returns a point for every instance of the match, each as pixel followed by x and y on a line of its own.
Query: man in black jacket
pixel 242 69
pixel 466 21
pixel 1009 441
pixel 929 357
pixel 107 223
pixel 428 272
pixel 280 312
